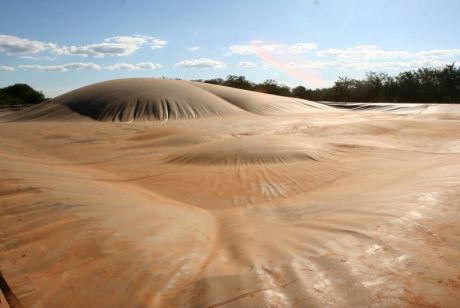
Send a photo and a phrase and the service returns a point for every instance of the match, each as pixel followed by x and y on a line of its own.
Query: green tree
pixel 239 82
pixel 20 94
pixel 300 92
pixel 270 86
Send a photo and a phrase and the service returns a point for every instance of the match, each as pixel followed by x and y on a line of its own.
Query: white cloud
pixel 82 66
pixel 137 40
pixel 365 58
pixel 200 63
pixel 90 66
pixel 122 66
pixel 37 58
pixel 194 48
pixel 112 46
pixel 15 45
pixel 366 65
pixel 300 48
pixel 262 47
pixel 254 49
pixel 439 53
pixel 5 68
pixel 134 67
pixel 241 50
pixel 311 64
pixel 148 65
pixel 97 50
pixel 43 68
pixel 246 64
pixel 61 68
pixel 363 52
pixel 156 43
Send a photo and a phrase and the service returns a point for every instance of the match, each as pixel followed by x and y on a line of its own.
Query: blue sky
pixel 57 46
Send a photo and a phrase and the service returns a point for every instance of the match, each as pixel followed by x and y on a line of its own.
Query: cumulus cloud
pixel 262 47
pixel 194 48
pixel 439 53
pixel 14 45
pixel 122 67
pixel 112 46
pixel 43 68
pixel 37 58
pixel 361 57
pixel 5 68
pixel 152 42
pixel 241 50
pixel 90 66
pixel 365 65
pixel 148 65
pixel 300 48
pixel 246 64
pixel 200 63
pixel 61 68
pixel 134 67
pixel 254 49
pixel 82 66
pixel 364 52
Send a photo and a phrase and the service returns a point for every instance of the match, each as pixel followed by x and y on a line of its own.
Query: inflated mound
pixel 135 99
pixel 144 99
pixel 261 103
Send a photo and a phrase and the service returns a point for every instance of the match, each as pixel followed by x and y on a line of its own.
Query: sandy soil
pixel 222 197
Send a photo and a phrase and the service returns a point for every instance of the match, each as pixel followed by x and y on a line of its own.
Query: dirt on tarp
pixel 162 193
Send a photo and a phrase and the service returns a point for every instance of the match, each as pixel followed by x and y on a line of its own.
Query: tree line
pixel 440 85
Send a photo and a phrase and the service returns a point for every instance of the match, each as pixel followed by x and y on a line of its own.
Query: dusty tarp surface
pixel 160 193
